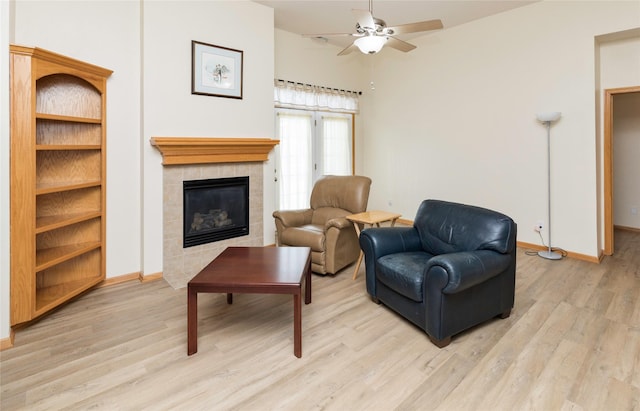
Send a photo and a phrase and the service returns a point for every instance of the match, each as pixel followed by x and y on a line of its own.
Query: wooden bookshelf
pixel 58 179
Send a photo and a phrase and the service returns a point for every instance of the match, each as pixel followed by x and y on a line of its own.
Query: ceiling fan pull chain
pixel 372 84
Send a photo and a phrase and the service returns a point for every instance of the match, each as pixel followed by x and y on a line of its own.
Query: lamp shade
pixel 548 116
pixel 371 44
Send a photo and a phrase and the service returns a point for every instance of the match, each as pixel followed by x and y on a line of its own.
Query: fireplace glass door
pixel 215 209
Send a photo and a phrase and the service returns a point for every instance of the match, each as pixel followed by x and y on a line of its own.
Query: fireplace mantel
pixel 202 150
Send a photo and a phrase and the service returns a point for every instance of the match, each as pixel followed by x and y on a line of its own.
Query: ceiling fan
pixel 372 33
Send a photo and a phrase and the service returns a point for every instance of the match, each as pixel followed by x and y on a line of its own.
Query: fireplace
pixel 191 158
pixel 215 209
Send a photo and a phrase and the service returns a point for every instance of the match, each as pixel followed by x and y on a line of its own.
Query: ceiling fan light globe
pixel 371 44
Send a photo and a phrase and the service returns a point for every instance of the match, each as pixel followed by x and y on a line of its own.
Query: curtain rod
pixel 328 88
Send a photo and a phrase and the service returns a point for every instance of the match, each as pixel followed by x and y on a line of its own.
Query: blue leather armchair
pixel 454 269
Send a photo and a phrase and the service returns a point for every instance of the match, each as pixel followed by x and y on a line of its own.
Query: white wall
pixel 619 55
pixel 455 118
pixel 169 108
pixel 5 33
pixel 309 61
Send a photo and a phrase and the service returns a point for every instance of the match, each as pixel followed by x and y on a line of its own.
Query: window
pixel 312 144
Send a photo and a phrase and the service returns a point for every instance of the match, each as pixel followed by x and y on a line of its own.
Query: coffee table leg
pixel 192 321
pixel 307 286
pixel 297 324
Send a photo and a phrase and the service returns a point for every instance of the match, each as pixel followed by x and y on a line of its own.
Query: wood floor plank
pixel 437 385
pixel 553 385
pixel 571 343
pixel 621 396
pixel 518 380
pixel 601 364
pixel 482 378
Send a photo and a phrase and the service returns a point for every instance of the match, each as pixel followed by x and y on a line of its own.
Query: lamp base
pixel 550 255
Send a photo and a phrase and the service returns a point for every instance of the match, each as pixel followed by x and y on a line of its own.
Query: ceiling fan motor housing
pixel 380 28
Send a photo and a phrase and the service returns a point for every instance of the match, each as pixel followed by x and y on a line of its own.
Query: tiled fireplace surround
pixel 198 158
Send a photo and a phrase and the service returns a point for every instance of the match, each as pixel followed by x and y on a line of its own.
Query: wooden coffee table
pixel 259 270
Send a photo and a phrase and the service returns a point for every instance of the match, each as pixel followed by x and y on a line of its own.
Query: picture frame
pixel 216 70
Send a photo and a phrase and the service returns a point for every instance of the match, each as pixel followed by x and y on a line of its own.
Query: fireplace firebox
pixel 215 209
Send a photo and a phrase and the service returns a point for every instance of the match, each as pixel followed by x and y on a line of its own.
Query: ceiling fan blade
pixel 348 49
pixel 399 44
pixel 364 18
pixel 415 27
pixel 332 35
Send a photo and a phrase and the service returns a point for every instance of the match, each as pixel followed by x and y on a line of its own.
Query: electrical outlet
pixel 634 210
pixel 539 226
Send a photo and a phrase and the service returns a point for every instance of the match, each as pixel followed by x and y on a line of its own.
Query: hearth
pixel 215 209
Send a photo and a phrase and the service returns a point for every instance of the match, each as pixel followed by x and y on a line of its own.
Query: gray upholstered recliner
pixel 323 226
pixel 454 269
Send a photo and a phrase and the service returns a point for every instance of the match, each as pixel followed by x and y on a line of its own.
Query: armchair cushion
pixel 446 229
pixel 310 234
pixel 404 273
pixel 325 215
pixel 348 193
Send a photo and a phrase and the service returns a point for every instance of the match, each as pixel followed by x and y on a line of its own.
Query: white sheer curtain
pixel 336 145
pixel 295 174
pixel 288 94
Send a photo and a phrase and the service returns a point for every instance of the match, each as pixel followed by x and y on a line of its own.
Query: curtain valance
pixel 288 94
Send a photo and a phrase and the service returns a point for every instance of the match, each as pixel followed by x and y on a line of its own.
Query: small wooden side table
pixel 373 218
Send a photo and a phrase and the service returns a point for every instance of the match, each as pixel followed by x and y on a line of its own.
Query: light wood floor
pixel 571 343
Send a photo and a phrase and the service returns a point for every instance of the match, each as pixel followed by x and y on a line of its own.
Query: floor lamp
pixel 547 118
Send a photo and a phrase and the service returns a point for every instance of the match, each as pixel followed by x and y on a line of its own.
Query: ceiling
pixel 335 16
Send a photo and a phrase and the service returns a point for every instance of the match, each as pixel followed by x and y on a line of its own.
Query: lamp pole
pixel 547 118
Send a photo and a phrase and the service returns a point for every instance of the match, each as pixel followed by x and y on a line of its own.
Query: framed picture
pixel 215 70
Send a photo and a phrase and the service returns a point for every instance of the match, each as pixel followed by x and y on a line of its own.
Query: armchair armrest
pixel 293 218
pixel 339 223
pixel 466 269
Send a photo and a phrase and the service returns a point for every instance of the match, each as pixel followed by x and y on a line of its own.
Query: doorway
pixel 608 164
